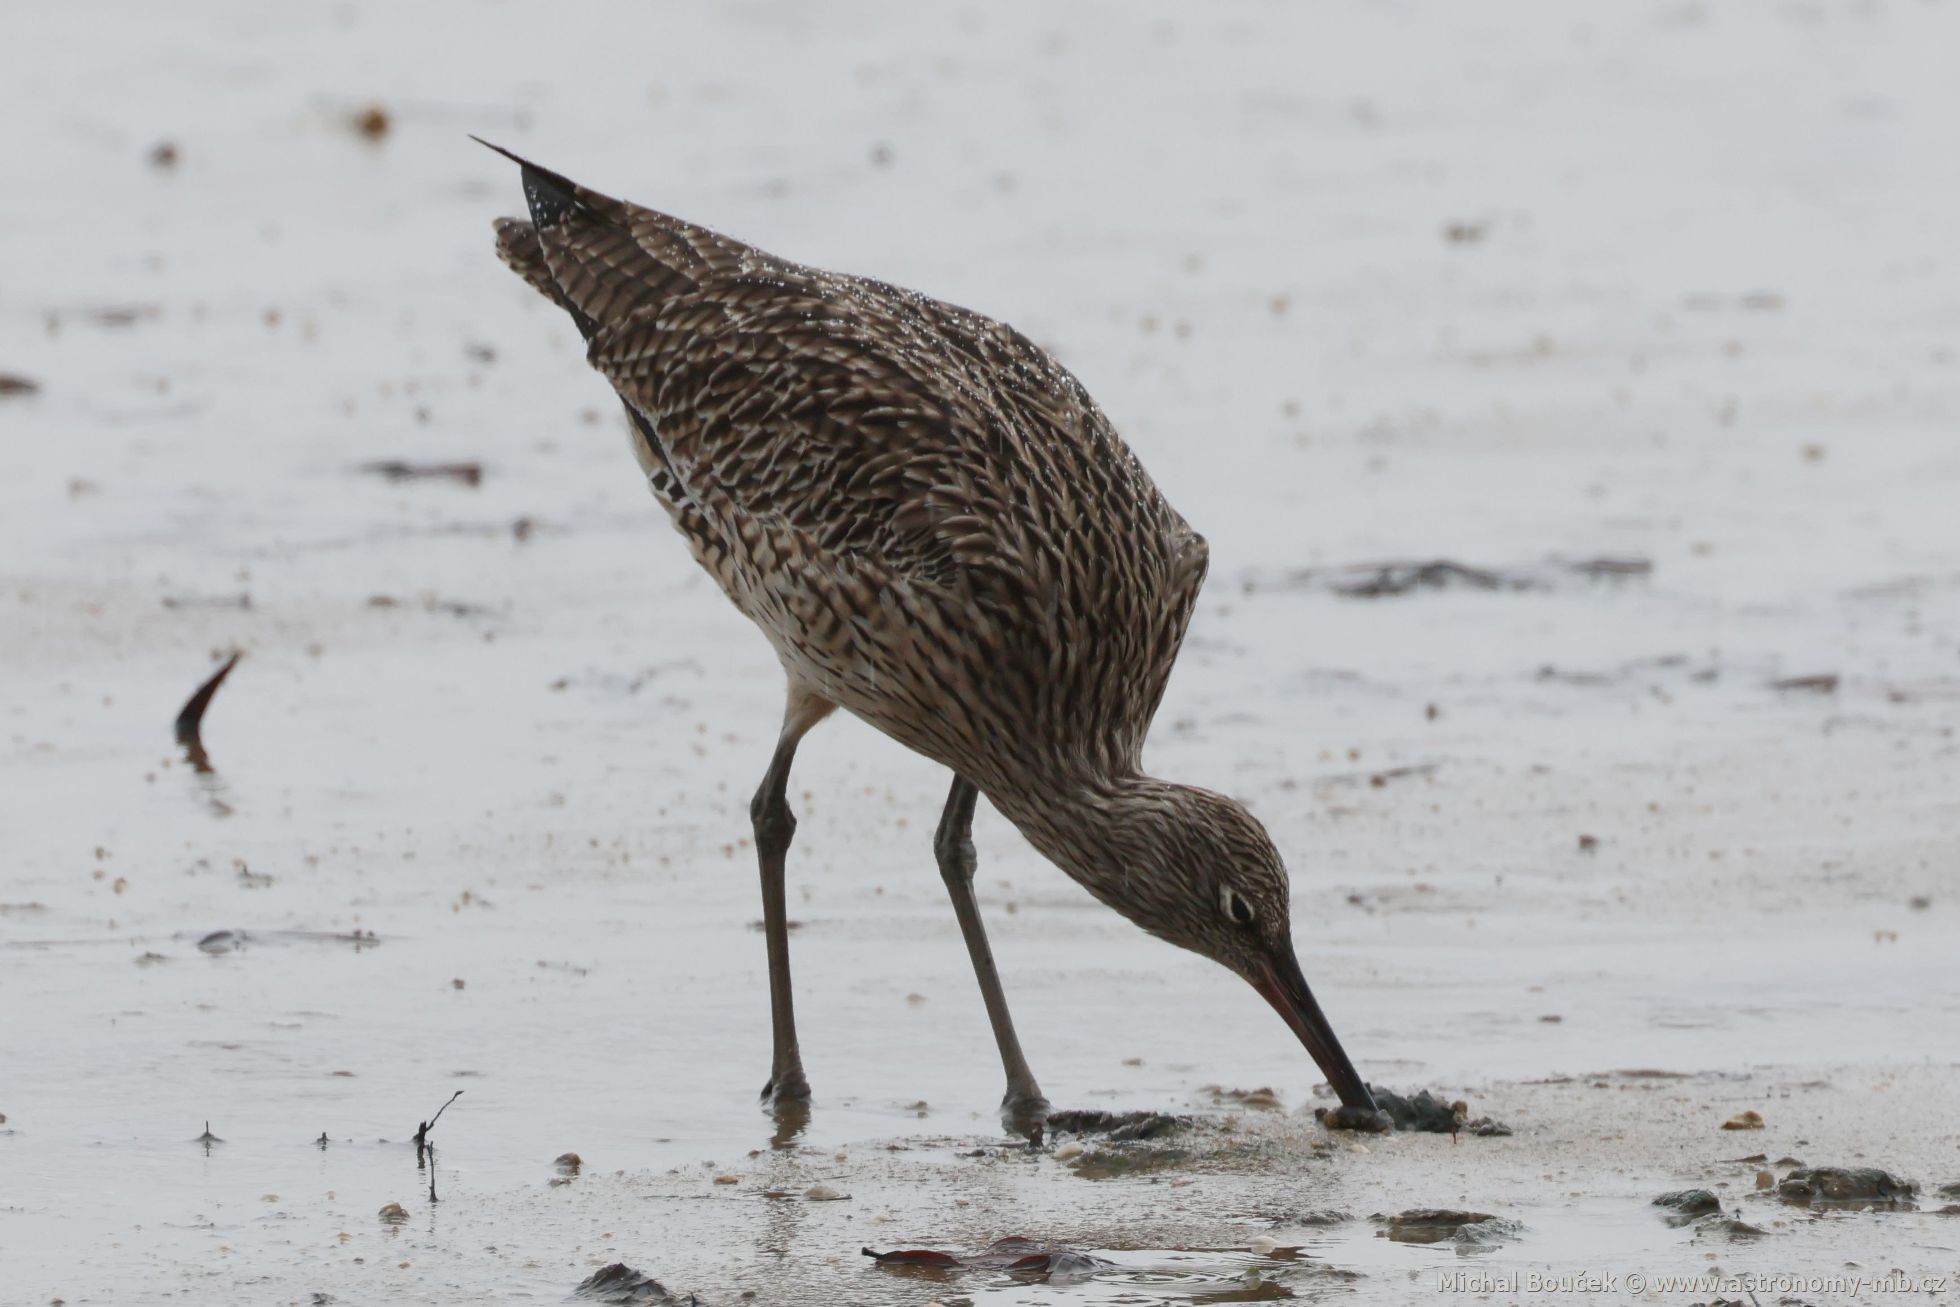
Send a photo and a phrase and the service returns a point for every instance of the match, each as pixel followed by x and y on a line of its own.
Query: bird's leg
pixel 774 827
pixel 1024 1109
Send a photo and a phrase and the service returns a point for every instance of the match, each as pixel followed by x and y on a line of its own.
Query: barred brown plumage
pixel 940 532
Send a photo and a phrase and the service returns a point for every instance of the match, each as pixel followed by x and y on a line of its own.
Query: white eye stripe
pixel 1238 908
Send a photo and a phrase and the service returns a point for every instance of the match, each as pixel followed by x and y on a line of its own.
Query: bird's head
pixel 1197 869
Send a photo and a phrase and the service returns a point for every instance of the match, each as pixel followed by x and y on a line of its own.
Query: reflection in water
pixel 211 787
pixel 792 1116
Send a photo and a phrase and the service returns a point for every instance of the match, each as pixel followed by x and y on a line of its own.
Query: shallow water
pixel 477 813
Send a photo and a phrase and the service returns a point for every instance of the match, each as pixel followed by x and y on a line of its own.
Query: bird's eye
pixel 1238 907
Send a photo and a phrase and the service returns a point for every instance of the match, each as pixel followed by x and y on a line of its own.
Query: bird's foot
pixel 785 1087
pixel 1025 1113
pixel 786 1097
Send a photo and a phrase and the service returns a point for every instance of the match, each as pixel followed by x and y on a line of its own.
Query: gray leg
pixel 1024 1108
pixel 775 825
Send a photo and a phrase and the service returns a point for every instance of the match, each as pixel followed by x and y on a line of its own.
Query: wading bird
pixel 939 532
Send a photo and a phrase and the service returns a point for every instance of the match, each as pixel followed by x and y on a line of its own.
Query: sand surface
pixel 1517 287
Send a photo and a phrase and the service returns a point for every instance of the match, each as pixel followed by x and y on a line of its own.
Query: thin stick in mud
pixel 191 720
pixel 422 1145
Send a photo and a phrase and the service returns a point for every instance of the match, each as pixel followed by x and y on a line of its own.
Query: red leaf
pixel 913 1257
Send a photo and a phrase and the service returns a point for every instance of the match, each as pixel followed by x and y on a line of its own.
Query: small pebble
pixel 823 1193
pixel 394 1213
pixel 372 122
pixel 1744 1121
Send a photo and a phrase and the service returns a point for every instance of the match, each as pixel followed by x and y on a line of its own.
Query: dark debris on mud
pixel 621 1284
pixel 1686 1206
pixel 1020 1257
pixel 1730 1228
pixel 218 943
pixel 1407 576
pixel 1849 1186
pixel 394 469
pixel 1423 1112
pixel 1447 1225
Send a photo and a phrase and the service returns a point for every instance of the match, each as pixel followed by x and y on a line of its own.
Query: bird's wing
pixel 779 397
pixel 942 448
pixel 867 417
pixel 864 426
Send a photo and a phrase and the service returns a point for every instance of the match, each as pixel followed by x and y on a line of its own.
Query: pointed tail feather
pixel 554 197
pixel 603 259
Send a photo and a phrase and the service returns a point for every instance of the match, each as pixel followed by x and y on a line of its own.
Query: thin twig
pixel 422 1145
pixel 191 720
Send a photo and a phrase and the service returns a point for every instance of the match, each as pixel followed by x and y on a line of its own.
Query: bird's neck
pixel 1101 829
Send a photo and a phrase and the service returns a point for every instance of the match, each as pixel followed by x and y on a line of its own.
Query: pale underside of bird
pixel 941 533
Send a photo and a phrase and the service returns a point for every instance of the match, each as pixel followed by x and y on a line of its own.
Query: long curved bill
pixel 1282 985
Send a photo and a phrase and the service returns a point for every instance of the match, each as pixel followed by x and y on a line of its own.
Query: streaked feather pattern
pixel 926 514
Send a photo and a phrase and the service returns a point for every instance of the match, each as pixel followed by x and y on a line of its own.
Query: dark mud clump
pixel 1684 1206
pixel 620 1283
pixel 1448 1225
pixel 1422 1112
pixel 1729 1228
pixel 1115 1163
pixel 1119 1127
pixel 1345 1117
pixel 1324 1216
pixel 1022 1258
pixel 1859 1186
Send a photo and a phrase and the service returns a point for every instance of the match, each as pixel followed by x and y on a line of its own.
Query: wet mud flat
pixel 1585 627
pixel 1234 1207
pixel 1269 1207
